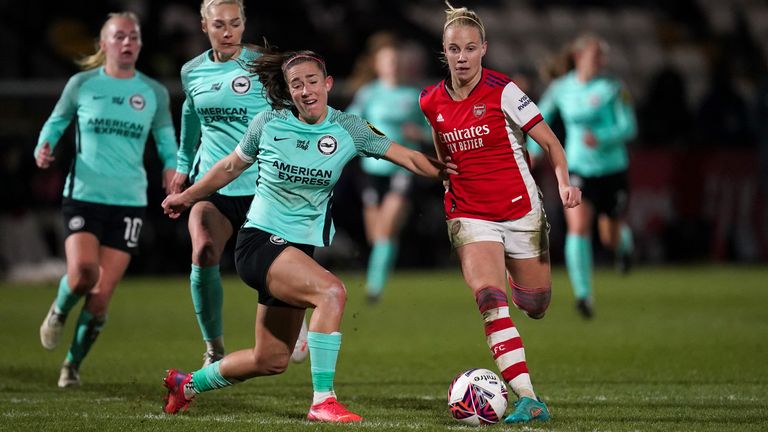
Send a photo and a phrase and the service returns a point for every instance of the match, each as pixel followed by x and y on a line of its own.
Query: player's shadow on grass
pixel 27 377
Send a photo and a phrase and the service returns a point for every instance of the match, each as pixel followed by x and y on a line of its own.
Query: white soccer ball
pixel 477 396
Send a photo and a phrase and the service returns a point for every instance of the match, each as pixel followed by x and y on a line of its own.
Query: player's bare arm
pixel 220 175
pixel 543 135
pixel 418 162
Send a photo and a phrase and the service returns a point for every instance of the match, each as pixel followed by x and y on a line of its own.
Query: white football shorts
pixel 527 237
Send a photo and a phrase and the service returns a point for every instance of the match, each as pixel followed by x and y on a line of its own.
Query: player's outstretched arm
pixel 220 175
pixel 419 163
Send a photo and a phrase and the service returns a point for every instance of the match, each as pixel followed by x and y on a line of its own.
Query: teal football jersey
pixel 298 166
pixel 388 109
pixel 221 100
pixel 601 106
pixel 114 119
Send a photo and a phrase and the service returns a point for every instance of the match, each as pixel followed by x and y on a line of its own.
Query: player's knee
pixel 533 301
pixel 334 295
pixel 264 364
pixel 490 297
pixel 98 308
pixel 83 278
pixel 205 254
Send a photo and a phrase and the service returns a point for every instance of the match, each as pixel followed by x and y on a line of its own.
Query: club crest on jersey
pixel 373 128
pixel 76 223
pixel 277 240
pixel 137 102
pixel 327 145
pixel 241 84
pixel 478 110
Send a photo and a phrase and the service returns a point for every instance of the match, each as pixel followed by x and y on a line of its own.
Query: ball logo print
pixel 477 396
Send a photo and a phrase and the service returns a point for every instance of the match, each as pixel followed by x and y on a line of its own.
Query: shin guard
pixel 533 301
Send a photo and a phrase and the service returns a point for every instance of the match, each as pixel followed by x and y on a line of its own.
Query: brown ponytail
pixel 271 65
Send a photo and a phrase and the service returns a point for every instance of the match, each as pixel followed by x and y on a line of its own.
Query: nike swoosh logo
pixel 281 139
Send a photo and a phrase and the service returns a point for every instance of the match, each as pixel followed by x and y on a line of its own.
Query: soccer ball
pixel 477 396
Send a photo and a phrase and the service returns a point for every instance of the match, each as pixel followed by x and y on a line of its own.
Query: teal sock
pixel 626 243
pixel 209 378
pixel 208 299
pixel 323 353
pixel 86 331
pixel 380 263
pixel 578 261
pixel 65 298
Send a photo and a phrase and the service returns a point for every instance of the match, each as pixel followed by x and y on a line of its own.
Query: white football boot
pixel 51 329
pixel 69 376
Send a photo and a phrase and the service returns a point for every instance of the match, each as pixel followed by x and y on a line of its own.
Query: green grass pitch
pixel 670 349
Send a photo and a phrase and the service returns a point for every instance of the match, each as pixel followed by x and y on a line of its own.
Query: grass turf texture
pixel 670 349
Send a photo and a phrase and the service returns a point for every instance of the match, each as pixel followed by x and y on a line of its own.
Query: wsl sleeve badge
pixel 373 128
pixel 477 397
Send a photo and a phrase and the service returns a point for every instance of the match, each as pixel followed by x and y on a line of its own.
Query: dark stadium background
pixel 696 69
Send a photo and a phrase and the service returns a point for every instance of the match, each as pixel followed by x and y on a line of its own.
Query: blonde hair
pixel 587 38
pixel 364 70
pixel 564 61
pixel 99 57
pixel 463 16
pixel 208 3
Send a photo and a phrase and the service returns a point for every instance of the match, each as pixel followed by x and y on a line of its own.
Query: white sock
pixel 320 397
pixel 189 390
pixel 522 386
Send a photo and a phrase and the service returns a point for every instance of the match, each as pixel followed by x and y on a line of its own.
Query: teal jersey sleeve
pixel 369 140
pixel 548 108
pixel 623 126
pixel 163 131
pixel 221 99
pixel 248 148
pixel 390 109
pixel 189 139
pixel 298 165
pixel 114 119
pixel 64 111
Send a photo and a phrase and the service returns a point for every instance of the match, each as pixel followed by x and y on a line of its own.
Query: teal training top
pixel 221 100
pixel 389 108
pixel 602 106
pixel 298 166
pixel 114 118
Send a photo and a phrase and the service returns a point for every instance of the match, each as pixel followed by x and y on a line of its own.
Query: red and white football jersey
pixel 483 135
